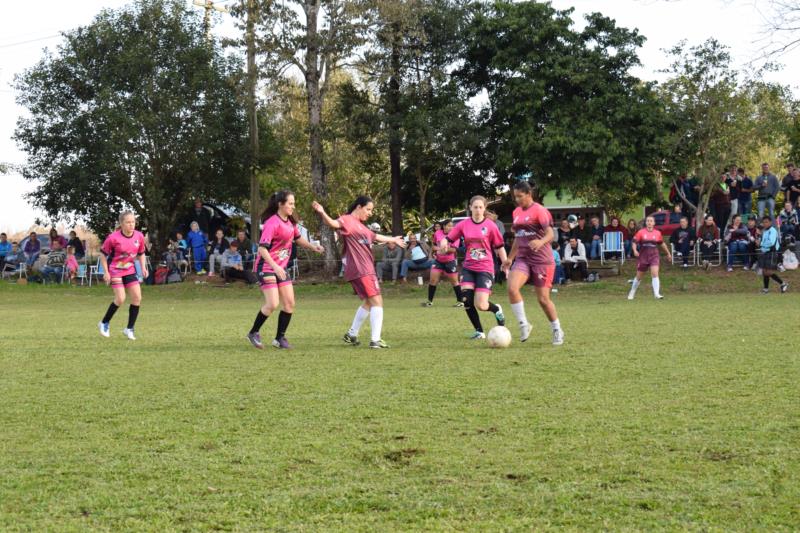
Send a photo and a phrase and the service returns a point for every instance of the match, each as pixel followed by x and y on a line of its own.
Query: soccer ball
pixel 498 337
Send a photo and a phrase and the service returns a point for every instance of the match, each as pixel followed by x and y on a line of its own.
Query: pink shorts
pixel 125 281
pixel 648 259
pixel 269 280
pixel 538 275
pixel 366 286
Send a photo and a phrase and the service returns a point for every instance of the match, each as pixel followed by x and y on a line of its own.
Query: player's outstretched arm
pixel 399 241
pixel 325 218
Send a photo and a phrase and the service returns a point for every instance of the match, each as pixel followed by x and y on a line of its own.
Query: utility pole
pixel 208 6
pixel 252 109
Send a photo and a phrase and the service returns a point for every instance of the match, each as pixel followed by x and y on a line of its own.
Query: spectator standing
pixel 682 240
pixel 787 179
pixel 5 249
pixel 392 257
pixel 708 238
pixel 200 215
pixel 32 249
pixel 745 193
pixel 75 242
pixel 767 187
pixel 563 234
pixel 71 264
pixel 737 239
pixel 734 185
pixel 575 259
pixel 54 236
pixel 197 241
pixel 793 188
pixel 418 257
pixel 597 238
pixel 216 248
pixel 720 202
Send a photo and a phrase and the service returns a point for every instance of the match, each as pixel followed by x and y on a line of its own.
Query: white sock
pixel 519 312
pixel 656 286
pixel 376 322
pixel 361 316
pixel 635 284
pixel 555 324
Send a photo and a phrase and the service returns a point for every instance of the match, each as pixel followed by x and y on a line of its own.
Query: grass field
pixel 672 415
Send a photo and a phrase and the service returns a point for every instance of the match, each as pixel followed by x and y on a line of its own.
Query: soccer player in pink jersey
pixel 360 267
pixel 531 260
pixel 444 264
pixel 119 252
pixel 483 240
pixel 645 246
pixel 278 232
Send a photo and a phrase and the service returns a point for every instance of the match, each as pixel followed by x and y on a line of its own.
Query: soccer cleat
pixel 500 317
pixel 659 297
pixel 745 267
pixel 459 304
pixel 378 344
pixel 784 287
pixel 781 268
pixel 558 337
pixel 764 291
pixel 631 295
pixel 730 269
pixel 350 339
pixel 685 266
pixel 477 335
pixel 129 333
pixel 281 343
pixel 104 329
pixel 554 290
pixel 201 271
pixel 524 331
pixel 255 340
pixel 427 304
pixel 706 265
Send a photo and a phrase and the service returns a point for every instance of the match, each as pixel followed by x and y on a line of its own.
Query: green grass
pixel 668 415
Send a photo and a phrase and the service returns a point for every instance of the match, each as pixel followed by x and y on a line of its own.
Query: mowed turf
pixel 671 415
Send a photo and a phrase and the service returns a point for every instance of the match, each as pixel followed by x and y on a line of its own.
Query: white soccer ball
pixel 498 337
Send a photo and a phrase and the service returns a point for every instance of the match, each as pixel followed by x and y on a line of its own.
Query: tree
pixel 136 110
pixel 562 104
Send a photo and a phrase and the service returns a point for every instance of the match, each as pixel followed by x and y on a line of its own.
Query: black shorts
pixel 768 260
pixel 477 281
pixel 451 267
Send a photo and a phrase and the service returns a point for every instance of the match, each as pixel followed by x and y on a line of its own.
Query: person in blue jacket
pixel 769 246
pixel 197 241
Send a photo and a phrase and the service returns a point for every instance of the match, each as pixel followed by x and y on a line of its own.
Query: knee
pixel 136 300
pixel 288 306
pixel 543 299
pixel 119 299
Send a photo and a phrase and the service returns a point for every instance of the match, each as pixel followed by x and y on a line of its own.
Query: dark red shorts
pixel 366 287
pixel 538 275
pixel 648 257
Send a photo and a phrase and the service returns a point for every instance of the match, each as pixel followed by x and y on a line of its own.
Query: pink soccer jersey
pixel 277 236
pixel 121 252
pixel 480 239
pixel 442 258
pixel 358 240
pixel 648 239
pixel 531 224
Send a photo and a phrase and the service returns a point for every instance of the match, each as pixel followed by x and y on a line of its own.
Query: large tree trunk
pixel 393 112
pixel 319 183
pixel 252 110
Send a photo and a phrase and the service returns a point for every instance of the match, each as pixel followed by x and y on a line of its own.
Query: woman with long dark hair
pixel 278 232
pixel 360 265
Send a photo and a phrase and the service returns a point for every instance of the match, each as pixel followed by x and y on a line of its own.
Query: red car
pixel 667 221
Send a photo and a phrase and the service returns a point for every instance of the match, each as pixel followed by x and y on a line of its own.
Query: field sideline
pixel 671 415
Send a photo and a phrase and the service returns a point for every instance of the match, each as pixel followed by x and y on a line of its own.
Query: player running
pixel 531 260
pixel 645 245
pixel 360 265
pixel 120 250
pixel 274 250
pixel 482 239
pixel 444 265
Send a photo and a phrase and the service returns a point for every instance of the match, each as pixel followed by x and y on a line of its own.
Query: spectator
pixel 418 258
pixel 563 233
pixel 582 231
pixel 614 226
pixel 491 215
pixel 734 184
pixel 559 276
pixel 745 193
pixel 682 240
pixel 174 259
pixel 246 249
pixel 767 186
pixel 683 193
pixel 5 249
pixel 232 266
pixel 32 249
pixel 54 263
pixel 694 195
pixel 575 259
pixel 632 228
pixel 597 238
pixel 392 257
pixel 200 215
pixel 215 250
pixel 71 264
pixel 197 241
pixel 787 179
pixel 720 202
pixel 181 247
pixel 793 188
pixel 768 255
pixel 76 243
pixel 737 239
pixel 13 258
pixel 708 238
pixel 54 236
pixel 754 234
pixel 788 220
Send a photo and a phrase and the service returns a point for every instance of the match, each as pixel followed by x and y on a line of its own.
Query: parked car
pixel 667 221
pixel 44 238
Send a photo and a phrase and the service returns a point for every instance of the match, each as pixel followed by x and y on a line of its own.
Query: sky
pixel 24 33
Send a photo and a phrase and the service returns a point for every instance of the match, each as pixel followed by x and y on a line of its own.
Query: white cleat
pixel 128 333
pixel 631 295
pixel 558 337
pixel 659 297
pixel 524 331
pixel 104 329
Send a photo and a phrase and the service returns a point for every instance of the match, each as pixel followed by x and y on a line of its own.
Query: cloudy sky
pixel 26 28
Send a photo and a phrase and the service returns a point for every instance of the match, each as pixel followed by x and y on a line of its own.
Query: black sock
pixel 283 324
pixel 472 313
pixel 431 292
pixel 133 313
pixel 777 278
pixel 457 290
pixel 110 313
pixel 766 282
pixel 493 308
pixel 259 321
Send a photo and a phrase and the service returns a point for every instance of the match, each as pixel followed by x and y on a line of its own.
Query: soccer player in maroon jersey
pixel 645 246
